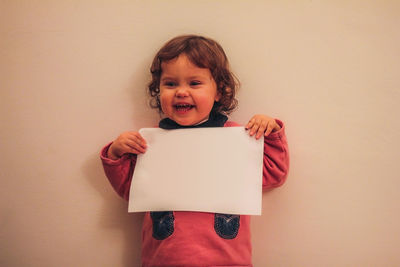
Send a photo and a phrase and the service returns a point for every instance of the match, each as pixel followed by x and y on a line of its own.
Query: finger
pixel 138 139
pixel 261 130
pixel 134 145
pixel 142 140
pixel 137 152
pixel 255 127
pixel 134 150
pixel 250 124
pixel 269 130
pixel 277 127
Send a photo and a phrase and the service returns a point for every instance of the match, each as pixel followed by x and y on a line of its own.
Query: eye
pixel 169 84
pixel 195 83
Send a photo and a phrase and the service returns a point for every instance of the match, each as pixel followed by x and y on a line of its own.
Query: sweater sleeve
pixel 276 158
pixel 119 172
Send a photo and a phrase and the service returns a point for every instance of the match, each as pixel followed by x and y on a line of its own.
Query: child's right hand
pixel 127 142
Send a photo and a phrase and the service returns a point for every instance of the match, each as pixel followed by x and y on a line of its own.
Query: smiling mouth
pixel 183 107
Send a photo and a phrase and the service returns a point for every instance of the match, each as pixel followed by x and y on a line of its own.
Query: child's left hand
pixel 262 124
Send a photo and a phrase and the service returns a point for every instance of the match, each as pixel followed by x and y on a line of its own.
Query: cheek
pixel 165 102
pixel 206 103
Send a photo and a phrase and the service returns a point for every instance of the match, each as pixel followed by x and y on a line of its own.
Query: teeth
pixel 183 106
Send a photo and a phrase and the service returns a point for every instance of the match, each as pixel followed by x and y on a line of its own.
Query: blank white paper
pixel 198 169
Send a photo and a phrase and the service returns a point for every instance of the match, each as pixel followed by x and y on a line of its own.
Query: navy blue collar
pixel 216 119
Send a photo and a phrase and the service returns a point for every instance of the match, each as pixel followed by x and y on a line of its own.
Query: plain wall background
pixel 73 76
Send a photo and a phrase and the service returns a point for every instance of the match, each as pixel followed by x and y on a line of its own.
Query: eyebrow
pixel 190 78
pixel 167 78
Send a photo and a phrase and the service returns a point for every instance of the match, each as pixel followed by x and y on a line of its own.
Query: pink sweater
pixel 194 240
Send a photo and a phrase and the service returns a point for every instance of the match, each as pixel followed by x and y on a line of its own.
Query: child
pixel 193 86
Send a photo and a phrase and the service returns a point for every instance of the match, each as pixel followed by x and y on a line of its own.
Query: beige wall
pixel 73 75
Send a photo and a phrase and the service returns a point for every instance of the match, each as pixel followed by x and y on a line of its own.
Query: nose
pixel 181 91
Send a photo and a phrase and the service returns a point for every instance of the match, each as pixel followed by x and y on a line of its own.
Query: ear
pixel 220 88
pixel 217 96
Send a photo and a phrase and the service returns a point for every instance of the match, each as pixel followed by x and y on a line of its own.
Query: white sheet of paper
pixel 198 169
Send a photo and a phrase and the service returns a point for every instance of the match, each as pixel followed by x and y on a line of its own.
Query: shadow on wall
pixel 114 214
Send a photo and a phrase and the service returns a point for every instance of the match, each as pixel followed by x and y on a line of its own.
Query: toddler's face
pixel 187 92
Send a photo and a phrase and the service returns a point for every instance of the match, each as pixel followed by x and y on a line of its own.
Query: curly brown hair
pixel 204 53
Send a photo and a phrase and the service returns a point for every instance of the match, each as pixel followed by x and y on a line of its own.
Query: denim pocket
pixel 226 225
pixel 163 224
